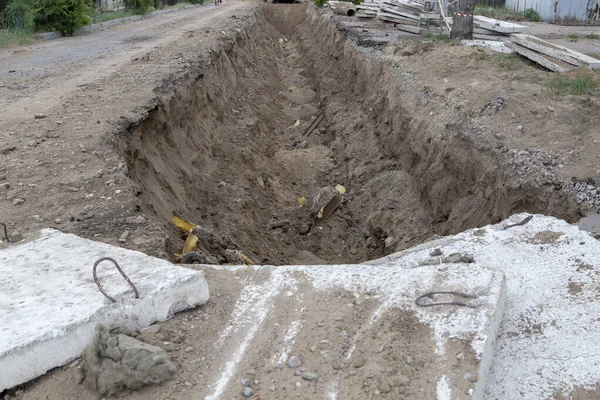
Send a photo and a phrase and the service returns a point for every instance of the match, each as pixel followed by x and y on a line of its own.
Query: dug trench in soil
pixel 229 153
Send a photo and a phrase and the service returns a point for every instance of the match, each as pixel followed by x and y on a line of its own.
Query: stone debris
pixel 248 392
pixel 294 362
pixel 116 361
pixel 309 376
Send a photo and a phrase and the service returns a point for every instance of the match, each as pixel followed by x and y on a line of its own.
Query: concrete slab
pixel 49 35
pixel 549 341
pixel 356 331
pixel 49 303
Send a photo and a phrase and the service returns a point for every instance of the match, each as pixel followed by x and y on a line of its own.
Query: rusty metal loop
pixel 5 231
pixel 454 303
pixel 135 291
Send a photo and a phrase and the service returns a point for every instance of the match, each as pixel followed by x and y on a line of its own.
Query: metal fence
pixel 491 3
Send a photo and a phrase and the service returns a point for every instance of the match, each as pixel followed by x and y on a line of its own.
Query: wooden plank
pixel 395 19
pixel 489 37
pixel 537 57
pixel 411 29
pixel 488 32
pixel 429 16
pixel 559 52
pixel 400 13
pixel 497 25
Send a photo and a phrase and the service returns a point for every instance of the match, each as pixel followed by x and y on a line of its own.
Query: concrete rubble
pixel 519 321
pixel 50 304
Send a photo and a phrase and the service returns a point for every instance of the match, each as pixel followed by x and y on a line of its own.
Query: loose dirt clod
pixel 116 361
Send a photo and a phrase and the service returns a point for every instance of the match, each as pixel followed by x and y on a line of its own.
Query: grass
pixel 438 37
pixel 13 37
pixel 592 36
pixel 573 37
pixel 498 13
pixel 507 14
pixel 578 85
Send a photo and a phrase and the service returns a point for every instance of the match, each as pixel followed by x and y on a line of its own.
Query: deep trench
pixel 225 153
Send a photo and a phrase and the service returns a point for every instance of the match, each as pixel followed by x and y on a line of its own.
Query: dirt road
pixel 44 72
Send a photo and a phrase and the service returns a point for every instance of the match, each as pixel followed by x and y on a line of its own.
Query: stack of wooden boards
pixel 549 55
pixel 368 9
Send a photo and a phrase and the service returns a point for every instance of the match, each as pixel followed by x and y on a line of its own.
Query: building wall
pixel 561 11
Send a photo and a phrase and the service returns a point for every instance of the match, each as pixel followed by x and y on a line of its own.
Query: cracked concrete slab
pixel 359 322
pixel 50 304
pixel 549 340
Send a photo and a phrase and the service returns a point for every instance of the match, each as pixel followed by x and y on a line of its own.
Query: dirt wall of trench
pixel 227 151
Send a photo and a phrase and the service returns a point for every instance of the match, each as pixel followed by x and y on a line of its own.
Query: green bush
pixel 532 15
pixel 19 15
pixel 196 1
pixel 139 6
pixel 62 15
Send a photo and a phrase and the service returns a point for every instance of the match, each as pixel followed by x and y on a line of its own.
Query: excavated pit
pixel 228 152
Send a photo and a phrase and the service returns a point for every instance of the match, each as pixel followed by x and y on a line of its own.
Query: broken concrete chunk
pixel 451 259
pixel 52 327
pixel 116 361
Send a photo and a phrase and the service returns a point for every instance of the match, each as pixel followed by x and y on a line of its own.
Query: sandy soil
pixel 196 116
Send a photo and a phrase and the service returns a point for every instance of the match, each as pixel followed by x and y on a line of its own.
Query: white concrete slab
pixel 359 309
pixel 49 303
pixel 549 341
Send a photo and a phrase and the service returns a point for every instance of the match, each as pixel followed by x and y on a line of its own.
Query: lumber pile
pixel 406 14
pixel 368 9
pixel 549 55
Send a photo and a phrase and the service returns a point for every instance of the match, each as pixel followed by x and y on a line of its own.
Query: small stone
pixel 189 349
pixel 248 391
pixel 272 388
pixel 309 376
pixel 2 178
pixel 298 384
pixel 409 360
pixel 245 382
pixel 89 195
pixel 320 324
pixel 18 201
pixel 261 182
pixel 110 182
pixel 140 220
pixel 124 236
pixel 150 330
pixel 297 372
pixel 460 356
pixel 222 184
pixel 436 252
pixel 40 116
pixel 57 221
pixel 294 362
pixel 519 127
pixel 550 108
pixel 251 371
pixel 359 362
pixel 74 364
pixel 188 384
pixel 16 237
pixel 353 372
